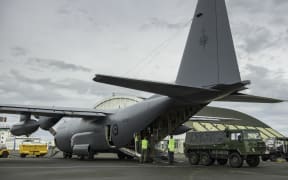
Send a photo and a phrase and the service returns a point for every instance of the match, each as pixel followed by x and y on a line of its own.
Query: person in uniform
pixel 144 149
pixel 171 149
pixel 137 142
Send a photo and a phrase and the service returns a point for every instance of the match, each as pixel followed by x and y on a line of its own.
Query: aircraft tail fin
pixel 209 56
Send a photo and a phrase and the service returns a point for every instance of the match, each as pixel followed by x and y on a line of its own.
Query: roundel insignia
pixel 115 129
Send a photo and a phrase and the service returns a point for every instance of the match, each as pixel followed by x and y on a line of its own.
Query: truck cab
pixel 245 141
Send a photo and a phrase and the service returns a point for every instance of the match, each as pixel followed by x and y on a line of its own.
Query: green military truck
pixel 233 145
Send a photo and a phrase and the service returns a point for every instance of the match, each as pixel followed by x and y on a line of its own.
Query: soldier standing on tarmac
pixel 137 142
pixel 144 149
pixel 171 148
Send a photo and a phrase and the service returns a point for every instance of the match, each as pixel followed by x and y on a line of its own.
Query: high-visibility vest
pixel 171 145
pixel 144 144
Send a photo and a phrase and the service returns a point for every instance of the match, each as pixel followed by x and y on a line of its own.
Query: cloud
pixel 58 64
pixel 258 39
pixel 18 51
pixel 16 87
pixel 267 83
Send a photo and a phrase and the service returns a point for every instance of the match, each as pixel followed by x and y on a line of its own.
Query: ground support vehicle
pixel 34 149
pixel 4 153
pixel 276 147
pixel 234 146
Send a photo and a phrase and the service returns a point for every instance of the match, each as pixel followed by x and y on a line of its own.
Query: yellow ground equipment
pixel 34 149
pixel 4 153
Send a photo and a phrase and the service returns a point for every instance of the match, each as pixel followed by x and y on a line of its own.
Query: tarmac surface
pixel 109 167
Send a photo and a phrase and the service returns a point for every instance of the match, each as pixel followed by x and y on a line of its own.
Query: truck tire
pixel 22 155
pixel 194 158
pixel 205 159
pixel 265 158
pixel 273 157
pixel 5 154
pixel 222 161
pixel 235 160
pixel 253 161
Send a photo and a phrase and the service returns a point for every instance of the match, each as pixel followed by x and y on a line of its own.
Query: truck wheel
pixel 222 161
pixel 265 158
pixel 235 160
pixel 194 158
pixel 5 154
pixel 253 161
pixel 273 157
pixel 205 159
pixel 22 155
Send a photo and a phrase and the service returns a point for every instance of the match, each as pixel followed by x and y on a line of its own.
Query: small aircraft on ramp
pixel 208 72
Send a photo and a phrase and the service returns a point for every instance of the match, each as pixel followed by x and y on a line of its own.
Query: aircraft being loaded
pixel 208 72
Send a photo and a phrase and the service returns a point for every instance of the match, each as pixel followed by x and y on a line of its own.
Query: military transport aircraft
pixel 208 72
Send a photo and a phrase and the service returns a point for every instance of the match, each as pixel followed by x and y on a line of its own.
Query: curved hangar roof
pixel 117 102
pixel 208 119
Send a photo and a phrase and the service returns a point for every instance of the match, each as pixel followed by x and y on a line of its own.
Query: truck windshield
pixel 252 135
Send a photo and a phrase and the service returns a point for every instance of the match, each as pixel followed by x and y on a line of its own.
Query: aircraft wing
pixel 52 111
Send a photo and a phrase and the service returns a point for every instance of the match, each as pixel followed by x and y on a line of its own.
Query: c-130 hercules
pixel 208 72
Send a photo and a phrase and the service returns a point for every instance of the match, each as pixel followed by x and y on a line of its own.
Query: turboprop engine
pixel 26 126
pixel 47 122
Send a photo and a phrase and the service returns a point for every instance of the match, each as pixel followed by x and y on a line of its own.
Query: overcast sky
pixel 51 49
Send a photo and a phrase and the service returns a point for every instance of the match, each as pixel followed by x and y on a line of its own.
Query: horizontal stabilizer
pixel 172 90
pixel 249 98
